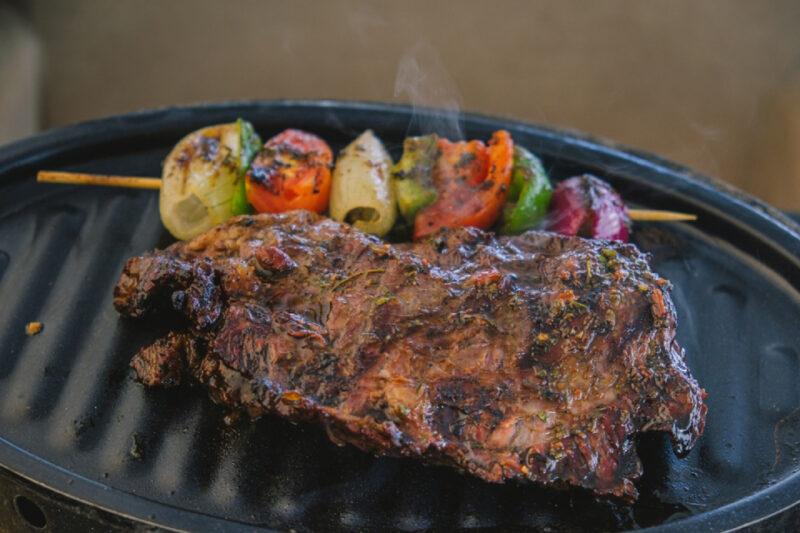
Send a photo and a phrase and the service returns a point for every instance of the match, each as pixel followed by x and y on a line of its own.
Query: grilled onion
pixel 361 193
pixel 203 178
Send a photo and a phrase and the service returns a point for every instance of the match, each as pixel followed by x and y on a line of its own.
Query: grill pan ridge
pixel 77 432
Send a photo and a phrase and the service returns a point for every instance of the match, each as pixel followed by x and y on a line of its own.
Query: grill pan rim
pixel 735 206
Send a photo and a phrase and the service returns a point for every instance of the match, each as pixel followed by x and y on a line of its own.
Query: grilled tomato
pixel 292 171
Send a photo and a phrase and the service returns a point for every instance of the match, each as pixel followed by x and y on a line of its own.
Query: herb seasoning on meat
pixel 535 357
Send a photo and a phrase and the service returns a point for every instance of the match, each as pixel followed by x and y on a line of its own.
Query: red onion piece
pixel 587 206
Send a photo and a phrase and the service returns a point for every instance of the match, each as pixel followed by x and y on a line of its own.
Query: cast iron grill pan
pixel 73 421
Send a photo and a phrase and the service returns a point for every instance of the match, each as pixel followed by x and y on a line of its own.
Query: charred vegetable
pixel 471 181
pixel 458 184
pixel 361 192
pixel 202 177
pixel 588 207
pixel 292 171
pixel 529 195
pixel 413 175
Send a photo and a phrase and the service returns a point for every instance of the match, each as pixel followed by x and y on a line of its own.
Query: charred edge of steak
pixel 168 361
pixel 158 282
pixel 536 357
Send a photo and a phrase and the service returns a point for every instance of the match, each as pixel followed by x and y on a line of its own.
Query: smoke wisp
pixel 424 81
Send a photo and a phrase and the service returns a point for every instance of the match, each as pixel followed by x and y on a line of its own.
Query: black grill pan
pixel 81 441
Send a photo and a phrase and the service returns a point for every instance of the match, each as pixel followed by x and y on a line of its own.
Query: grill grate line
pixel 4 259
pixel 94 366
pixel 70 312
pixel 172 466
pixel 114 454
pixel 47 242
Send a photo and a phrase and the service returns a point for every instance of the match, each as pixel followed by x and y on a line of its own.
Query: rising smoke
pixel 424 81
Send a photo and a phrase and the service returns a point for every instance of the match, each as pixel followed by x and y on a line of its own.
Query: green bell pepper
pixel 411 175
pixel 529 194
pixel 250 146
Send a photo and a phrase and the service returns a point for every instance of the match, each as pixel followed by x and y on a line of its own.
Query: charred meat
pixel 536 357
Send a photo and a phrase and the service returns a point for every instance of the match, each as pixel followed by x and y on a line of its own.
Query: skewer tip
pixel 654 215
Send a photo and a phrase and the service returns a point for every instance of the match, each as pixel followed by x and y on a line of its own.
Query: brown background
pixel 712 84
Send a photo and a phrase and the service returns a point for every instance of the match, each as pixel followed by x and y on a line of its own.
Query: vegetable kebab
pixel 222 171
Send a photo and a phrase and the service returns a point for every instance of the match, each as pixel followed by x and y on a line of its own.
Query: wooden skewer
pixel 76 178
pixel 654 215
pixel 138 182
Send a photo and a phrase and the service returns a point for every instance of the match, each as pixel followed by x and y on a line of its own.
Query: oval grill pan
pixel 73 420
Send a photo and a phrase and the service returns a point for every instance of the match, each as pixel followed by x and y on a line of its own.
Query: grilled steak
pixel 534 357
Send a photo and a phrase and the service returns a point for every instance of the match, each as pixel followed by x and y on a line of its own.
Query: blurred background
pixel 714 84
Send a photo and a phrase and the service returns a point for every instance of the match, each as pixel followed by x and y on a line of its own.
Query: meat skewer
pixel 138 182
